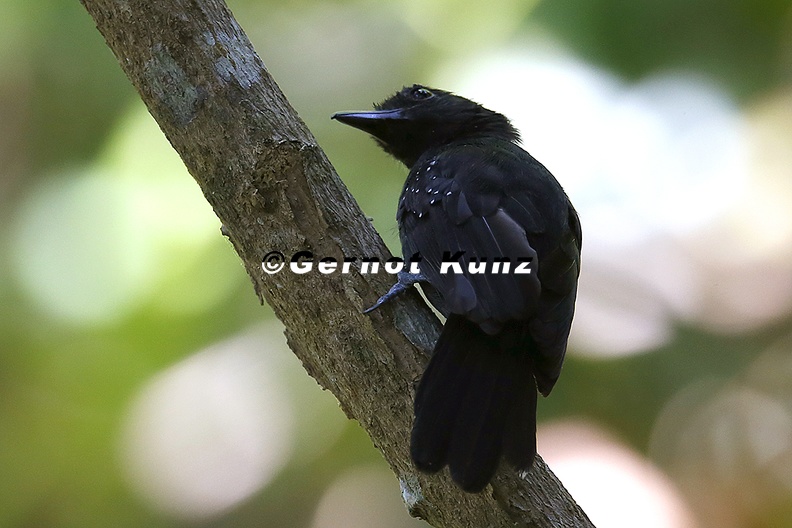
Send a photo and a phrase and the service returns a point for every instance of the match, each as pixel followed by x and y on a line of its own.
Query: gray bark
pixel 273 189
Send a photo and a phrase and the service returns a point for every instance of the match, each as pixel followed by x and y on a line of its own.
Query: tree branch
pixel 273 189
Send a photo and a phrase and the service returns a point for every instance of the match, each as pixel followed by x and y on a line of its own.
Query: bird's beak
pixel 374 122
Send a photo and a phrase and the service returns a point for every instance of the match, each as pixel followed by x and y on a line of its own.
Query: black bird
pixel 472 189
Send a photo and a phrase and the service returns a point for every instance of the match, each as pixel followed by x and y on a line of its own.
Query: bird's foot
pixel 406 281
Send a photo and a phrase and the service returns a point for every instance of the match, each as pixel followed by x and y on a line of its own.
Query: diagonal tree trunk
pixel 273 189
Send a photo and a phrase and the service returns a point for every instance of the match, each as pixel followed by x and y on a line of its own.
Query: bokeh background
pixel 141 384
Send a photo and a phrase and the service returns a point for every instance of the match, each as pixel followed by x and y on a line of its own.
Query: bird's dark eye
pixel 421 93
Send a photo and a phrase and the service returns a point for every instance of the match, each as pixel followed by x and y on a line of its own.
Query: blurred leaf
pixel 735 41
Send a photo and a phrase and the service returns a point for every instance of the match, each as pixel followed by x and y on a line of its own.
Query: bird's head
pixel 418 118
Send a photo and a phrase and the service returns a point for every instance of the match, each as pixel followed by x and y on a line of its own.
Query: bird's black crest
pixel 432 104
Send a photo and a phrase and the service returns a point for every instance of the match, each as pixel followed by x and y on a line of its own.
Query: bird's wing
pixel 496 202
pixel 559 270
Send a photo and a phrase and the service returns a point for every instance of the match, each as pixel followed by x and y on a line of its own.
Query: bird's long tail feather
pixel 476 402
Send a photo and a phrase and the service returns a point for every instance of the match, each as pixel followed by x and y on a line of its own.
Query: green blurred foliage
pixel 739 42
pixel 65 385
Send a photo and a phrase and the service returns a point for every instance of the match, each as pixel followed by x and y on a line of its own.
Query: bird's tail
pixel 475 403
